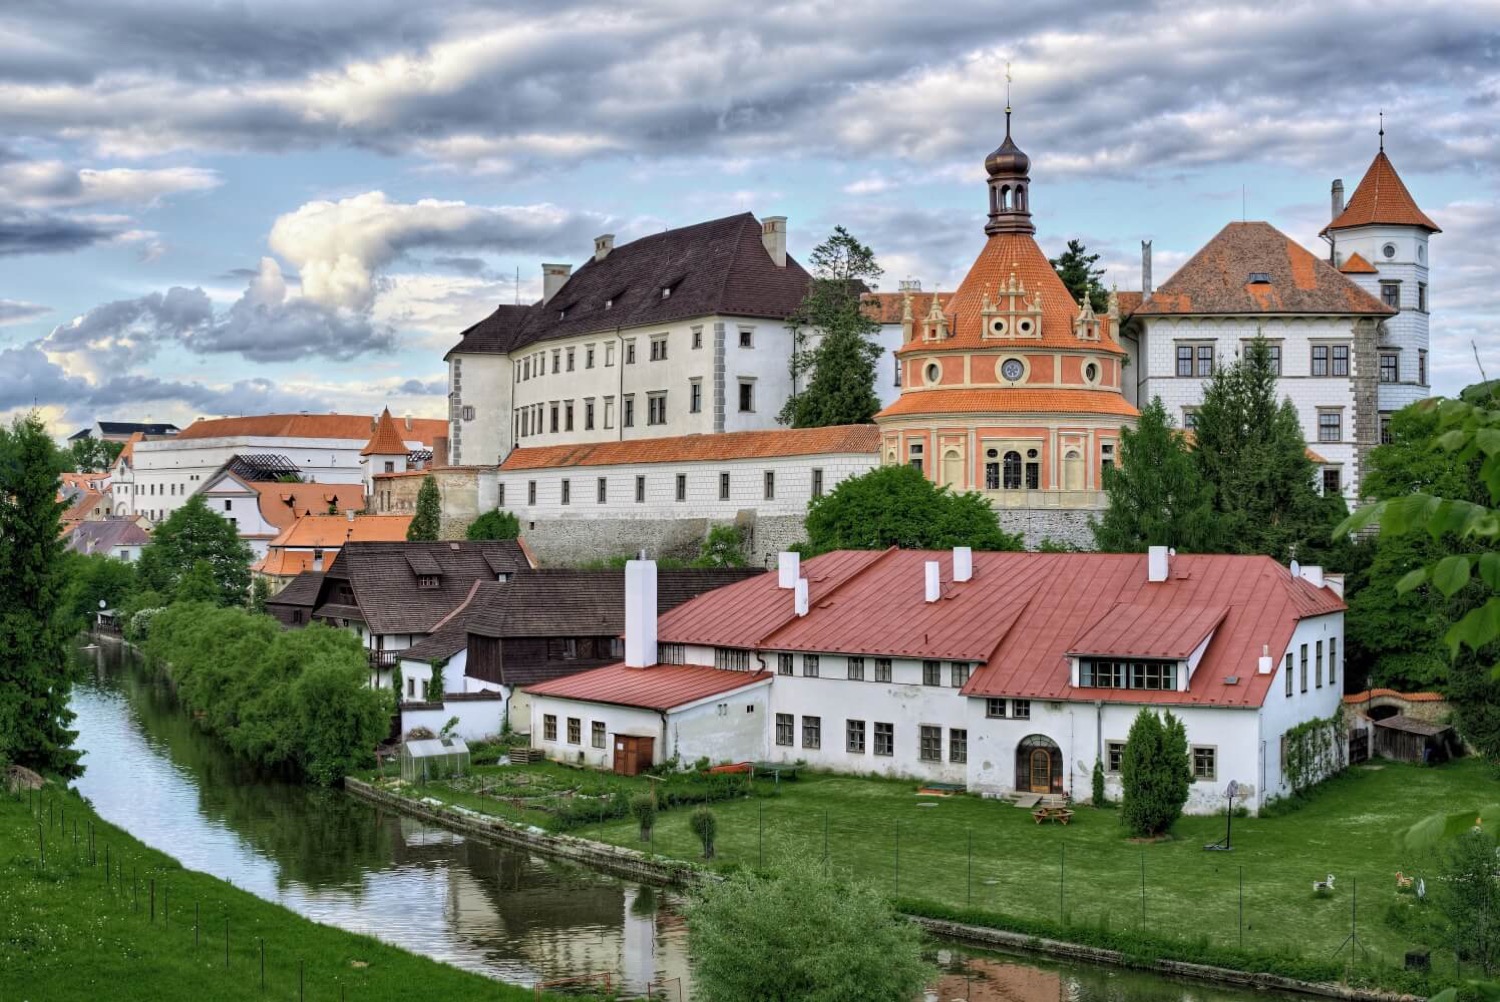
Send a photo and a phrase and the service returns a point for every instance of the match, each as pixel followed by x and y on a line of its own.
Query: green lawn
pixel 920 848
pixel 66 933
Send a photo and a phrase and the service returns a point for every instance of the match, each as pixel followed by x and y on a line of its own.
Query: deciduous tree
pixel 898 506
pixel 191 534
pixel 1156 495
pixel 427 521
pixel 495 524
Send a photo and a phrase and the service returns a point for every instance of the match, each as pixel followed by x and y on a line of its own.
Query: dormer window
pixel 1121 673
pixel 666 292
pixel 1259 278
pixel 428 581
pixel 609 304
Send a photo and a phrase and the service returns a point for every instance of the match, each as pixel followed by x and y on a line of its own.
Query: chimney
pixel 788 569
pixel 963 563
pixel 640 613
pixel 799 597
pixel 603 244
pixel 773 235
pixel 439 451
pixel 554 277
pixel 318 561
pixel 934 583
pixel 1312 574
pixel 1266 664
pixel 350 514
pixel 1335 582
pixel 408 422
pixel 1336 198
pixel 1158 563
pixel 1146 288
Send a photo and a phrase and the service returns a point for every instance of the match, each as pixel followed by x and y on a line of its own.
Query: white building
pixel 260 510
pixel 1003 672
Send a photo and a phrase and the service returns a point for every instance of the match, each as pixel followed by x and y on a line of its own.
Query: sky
pixel 232 208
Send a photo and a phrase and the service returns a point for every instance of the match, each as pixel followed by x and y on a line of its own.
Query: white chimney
pixel 1335 582
pixel 788 569
pixel 554 277
pixel 318 561
pixel 603 244
pixel 1158 563
pixel 408 422
pixel 350 513
pixel 773 235
pixel 1265 659
pixel 640 613
pixel 1336 198
pixel 934 589
pixel 799 597
pixel 1312 574
pixel 963 563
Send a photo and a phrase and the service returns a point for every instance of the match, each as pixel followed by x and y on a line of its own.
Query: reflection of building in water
pixel 983 979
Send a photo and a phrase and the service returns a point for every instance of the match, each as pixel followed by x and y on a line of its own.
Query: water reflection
pixel 506 914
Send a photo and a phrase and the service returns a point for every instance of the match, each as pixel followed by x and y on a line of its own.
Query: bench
pixel 1061 815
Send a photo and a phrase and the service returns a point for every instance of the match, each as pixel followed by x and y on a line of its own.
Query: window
pixel 640 490
pixel 747 337
pixel 1290 672
pixel 682 486
pixel 1331 485
pixel 1320 360
pixel 784 727
pixel 609 354
pixel 601 490
pixel 627 415
pixel 659 349
pixel 1011 478
pixel 1020 709
pixel 817 483
pixel 695 396
pixel 531 492
pixel 732 658
pixel 994 709
pixel 1388 367
pixel 959 673
pixel 1112 673
pixel 1274 351
pixel 810 665
pixel 656 408
pixel 1333 660
pixel 556 358
pixel 1304 667
pixel 227 503
pixel 747 396
pixel 571 355
pixel 812 732
pixel 1330 426
pixel 931 744
pixel 427 581
pixel 770 484
pixel 783 664
pixel 854 736
pixel 567 491
pixel 1318 665
pixel 1205 763
pixel 526 368
pixel 671 654
pixel 596 733
pixel 1184 360
pixel 568 415
pixel 467 412
pixel 1114 756
pixel 958 745
pixel 885 739
pixel 1422 366
pixel 1341 360
pixel 914 454
pixel 1385 429
pixel 553 412
pixel 1205 360
pixel 588 414
pixel 1390 294
pixel 697 338
pixel 549 726
pixel 723 487
pixel 882 669
pixel 932 673
pixel 609 412
pixel 1389 250
pixel 575 731
pixel 630 352
pixel 1422 296
pixel 857 669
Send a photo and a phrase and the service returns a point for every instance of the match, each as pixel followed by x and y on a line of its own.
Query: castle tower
pixel 385 452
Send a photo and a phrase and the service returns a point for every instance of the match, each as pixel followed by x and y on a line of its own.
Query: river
pixel 503 913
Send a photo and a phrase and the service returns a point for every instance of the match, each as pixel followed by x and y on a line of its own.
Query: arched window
pixel 1005 198
pixel 1039 767
pixel 1073 470
pixel 953 469
pixel 1020 198
pixel 992 470
pixel 1012 471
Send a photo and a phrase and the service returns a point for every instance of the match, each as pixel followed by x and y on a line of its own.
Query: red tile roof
pixel 1011 400
pixel 850 438
pixel 83 507
pixel 660 687
pixel 282 504
pixel 1355 264
pixel 334 530
pixel 1129 629
pixel 386 441
pixel 1382 198
pixel 887 307
pixel 1410 697
pixel 351 426
pixel 1129 302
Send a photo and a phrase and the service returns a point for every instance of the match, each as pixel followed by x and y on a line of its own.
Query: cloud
pixel 420 387
pixel 338 247
pixel 15 311
pixel 46 184
pixel 28 377
pixel 116 335
pixel 26 231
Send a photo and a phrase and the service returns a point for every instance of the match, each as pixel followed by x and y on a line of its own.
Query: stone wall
pixel 568 542
pixel 396 494
pixel 1070 526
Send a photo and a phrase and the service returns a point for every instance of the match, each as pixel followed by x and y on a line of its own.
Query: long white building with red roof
pixel 999 672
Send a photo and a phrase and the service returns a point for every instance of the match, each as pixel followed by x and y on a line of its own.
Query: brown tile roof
pixel 1355 264
pixel 282 504
pixel 660 687
pixel 104 535
pixel 350 426
pixel 887 307
pixel 716 267
pixel 83 507
pixel 1382 198
pixel 301 591
pixel 1010 400
pixel 849 438
pixel 1129 302
pixel 128 452
pixel 1217 279
pixel 386 441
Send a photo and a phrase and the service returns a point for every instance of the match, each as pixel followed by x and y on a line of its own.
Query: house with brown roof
pixel 1005 673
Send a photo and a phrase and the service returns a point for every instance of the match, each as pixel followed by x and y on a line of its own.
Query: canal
pixel 503 913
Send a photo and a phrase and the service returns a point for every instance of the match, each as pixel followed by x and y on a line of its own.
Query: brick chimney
pixel 554 277
pixel 773 235
pixel 603 244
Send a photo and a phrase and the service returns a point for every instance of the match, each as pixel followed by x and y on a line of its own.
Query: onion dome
pixel 1008 159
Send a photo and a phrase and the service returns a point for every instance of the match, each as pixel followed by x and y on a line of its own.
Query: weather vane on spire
pixel 1382 128
pixel 1007 86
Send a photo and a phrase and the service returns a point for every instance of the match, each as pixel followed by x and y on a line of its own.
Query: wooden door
pixel 1041 770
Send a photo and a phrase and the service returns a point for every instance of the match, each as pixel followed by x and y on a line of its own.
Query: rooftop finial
pixel 1007 97
pixel 1382 129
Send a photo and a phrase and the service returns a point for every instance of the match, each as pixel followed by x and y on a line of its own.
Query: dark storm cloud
pixel 27 377
pixel 29 232
pixel 291 330
pixel 418 387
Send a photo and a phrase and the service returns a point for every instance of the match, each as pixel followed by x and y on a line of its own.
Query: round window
pixel 1389 250
pixel 934 373
pixel 1012 369
pixel 1030 453
pixel 997 326
pixel 1024 326
pixel 1091 372
pixel 992 454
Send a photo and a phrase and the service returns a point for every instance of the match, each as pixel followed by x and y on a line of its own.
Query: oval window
pixel 1012 369
pixel 997 326
pixel 1091 372
pixel 1024 326
pixel 992 454
pixel 1421 253
pixel 1389 250
pixel 1030 453
pixel 933 372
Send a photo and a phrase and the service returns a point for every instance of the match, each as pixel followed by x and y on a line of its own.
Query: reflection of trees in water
pixel 317 837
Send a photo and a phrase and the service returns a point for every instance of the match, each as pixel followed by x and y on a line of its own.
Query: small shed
pixel 1407 739
pixel 434 758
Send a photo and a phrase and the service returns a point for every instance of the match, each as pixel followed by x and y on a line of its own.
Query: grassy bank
pixel 964 855
pixel 69 931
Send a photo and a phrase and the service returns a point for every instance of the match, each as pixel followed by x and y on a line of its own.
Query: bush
pixel 1098 781
pixel 495 524
pixel 1469 897
pixel 643 809
pixel 1155 774
pixel 705 826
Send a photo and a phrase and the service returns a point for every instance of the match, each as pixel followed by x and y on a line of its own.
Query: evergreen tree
pixel 260 591
pixel 1156 496
pixel 1251 450
pixel 898 506
pixel 842 387
pixel 34 629
pixel 1155 774
pixel 1075 266
pixel 428 519
pixel 495 524
pixel 191 534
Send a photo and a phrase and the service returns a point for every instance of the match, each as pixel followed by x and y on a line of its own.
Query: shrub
pixel 705 826
pixel 643 809
pixel 1469 897
pixel 1098 778
pixel 1155 774
pixel 495 524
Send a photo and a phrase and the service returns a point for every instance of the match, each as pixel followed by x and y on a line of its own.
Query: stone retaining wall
pixel 568 542
pixel 1039 525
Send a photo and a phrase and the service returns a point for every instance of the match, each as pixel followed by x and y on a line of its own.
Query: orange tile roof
pixel 660 687
pixel 887 307
pixel 286 563
pixel 1010 400
pixel 1382 198
pixel 281 504
pixel 128 452
pixel 386 441
pixel 85 504
pixel 1410 697
pixel 1357 265
pixel 350 426
pixel 850 438
pixel 1129 302
pixel 335 530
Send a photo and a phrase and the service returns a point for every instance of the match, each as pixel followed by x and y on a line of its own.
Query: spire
pixel 1009 170
pixel 1382 130
pixel 386 441
pixel 1382 198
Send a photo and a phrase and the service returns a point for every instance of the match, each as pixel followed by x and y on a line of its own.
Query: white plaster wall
pixel 476 718
pixel 887 386
pixel 1408 331
pixel 617 720
pixel 1281 712
pixel 729 728
pixel 485 383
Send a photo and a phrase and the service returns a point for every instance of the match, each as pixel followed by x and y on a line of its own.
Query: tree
pixel 1156 495
pixel 1469 897
pixel 1075 266
pixel 495 524
pixel 34 629
pixel 898 506
pixel 90 455
pixel 643 809
pixel 1251 450
pixel 191 534
pixel 724 547
pixel 1155 774
pixel 260 592
pixel 842 387
pixel 819 935
pixel 428 519
pixel 91 579
pixel 705 826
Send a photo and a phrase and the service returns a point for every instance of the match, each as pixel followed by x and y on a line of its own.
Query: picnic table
pixel 1062 815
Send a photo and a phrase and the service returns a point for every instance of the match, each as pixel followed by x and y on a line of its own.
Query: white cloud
pixel 47 184
pixel 15 311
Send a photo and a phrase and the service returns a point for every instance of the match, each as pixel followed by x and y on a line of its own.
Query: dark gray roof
pixel 1411 725
pixel 563 603
pixel 103 536
pixel 452 635
pixel 384 582
pixel 261 466
pixel 126 428
pixel 717 267
pixel 301 591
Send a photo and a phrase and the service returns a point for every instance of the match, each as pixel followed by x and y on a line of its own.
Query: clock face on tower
pixel 1012 369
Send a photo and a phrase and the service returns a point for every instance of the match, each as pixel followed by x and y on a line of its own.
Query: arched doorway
pixel 1039 765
